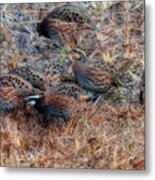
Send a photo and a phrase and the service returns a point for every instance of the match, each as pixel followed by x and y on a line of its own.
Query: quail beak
pixel 76 54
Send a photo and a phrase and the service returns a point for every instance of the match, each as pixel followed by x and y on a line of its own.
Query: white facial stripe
pixel 32 103
pixel 35 97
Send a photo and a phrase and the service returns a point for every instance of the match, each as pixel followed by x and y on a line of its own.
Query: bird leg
pixel 99 99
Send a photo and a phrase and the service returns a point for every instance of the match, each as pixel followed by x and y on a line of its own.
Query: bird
pixel 63 22
pixel 31 75
pixel 51 103
pixel 13 90
pixel 88 77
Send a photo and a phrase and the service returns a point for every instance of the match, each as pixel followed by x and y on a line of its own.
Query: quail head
pixel 49 31
pixel 13 90
pixel 52 104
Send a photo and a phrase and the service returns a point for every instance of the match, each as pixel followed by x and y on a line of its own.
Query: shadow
pixel 74 172
pixel 148 90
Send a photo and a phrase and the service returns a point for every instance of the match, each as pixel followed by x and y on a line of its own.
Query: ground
pixel 107 136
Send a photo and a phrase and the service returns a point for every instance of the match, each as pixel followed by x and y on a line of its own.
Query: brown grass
pixel 108 137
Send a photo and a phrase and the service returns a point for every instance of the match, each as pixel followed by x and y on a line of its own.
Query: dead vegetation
pixel 108 136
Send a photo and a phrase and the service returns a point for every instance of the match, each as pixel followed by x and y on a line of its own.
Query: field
pixel 105 136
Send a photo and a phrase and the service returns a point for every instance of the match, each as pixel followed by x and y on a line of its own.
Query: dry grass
pixel 109 136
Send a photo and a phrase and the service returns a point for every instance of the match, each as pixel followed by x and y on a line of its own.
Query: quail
pixel 114 69
pixel 52 104
pixel 88 77
pixel 97 80
pixel 63 22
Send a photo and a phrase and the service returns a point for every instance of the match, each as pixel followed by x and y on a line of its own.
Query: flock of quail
pixel 81 81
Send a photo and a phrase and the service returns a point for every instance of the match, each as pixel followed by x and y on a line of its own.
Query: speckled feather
pixel 32 76
pixel 70 13
pixel 99 70
pixel 91 78
pixel 71 89
pixel 13 89
pixel 54 104
pixel 65 19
